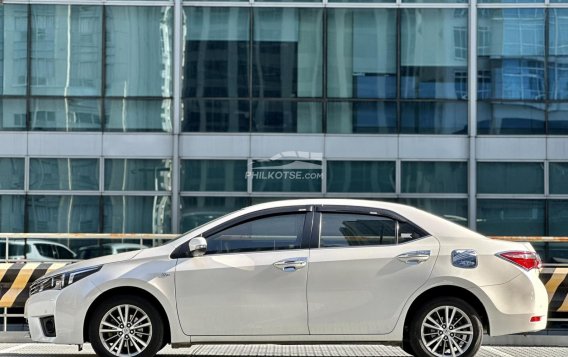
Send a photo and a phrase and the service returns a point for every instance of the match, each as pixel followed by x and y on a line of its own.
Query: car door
pixel 251 281
pixel 364 267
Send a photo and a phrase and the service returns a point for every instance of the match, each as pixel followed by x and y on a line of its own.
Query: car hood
pixel 96 261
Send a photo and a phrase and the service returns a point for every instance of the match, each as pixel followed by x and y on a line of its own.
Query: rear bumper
pixel 513 304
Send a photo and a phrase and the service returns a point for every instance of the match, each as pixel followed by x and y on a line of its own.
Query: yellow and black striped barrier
pixel 16 278
pixel 556 282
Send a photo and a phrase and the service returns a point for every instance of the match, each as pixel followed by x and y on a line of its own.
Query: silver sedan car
pixel 301 271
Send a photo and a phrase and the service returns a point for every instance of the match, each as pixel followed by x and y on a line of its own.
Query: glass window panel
pixel 557 218
pixel 505 118
pixel 361 53
pixel 355 230
pixel 286 176
pixel 225 116
pixel 454 210
pixel 360 176
pixel 558 54
pixel 510 177
pixel 213 175
pixel 558 77
pixel 366 1
pixel 553 252
pixel 434 177
pixel 509 1
pixel 138 175
pixel 66 50
pixel 138 115
pixel 11 214
pixel 511 54
pixel 65 114
pixel 63 214
pixel 287 52
pixel 434 52
pixel 13 114
pixel 11 174
pixel 196 211
pixel 13 49
pixel 511 217
pixel 558 118
pixel 261 234
pixel 435 1
pixel 137 214
pixel 139 41
pixel 558 172
pixel 286 117
pixel 216 52
pixel 64 174
pixel 433 118
pixel 361 117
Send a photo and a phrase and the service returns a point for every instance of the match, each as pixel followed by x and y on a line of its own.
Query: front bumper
pixel 68 306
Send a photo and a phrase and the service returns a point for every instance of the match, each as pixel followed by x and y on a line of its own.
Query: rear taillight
pixel 524 259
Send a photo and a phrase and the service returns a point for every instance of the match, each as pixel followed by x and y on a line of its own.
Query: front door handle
pixel 291 264
pixel 415 257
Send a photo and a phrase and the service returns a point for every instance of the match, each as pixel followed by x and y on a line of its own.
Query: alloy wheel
pixel 447 331
pixel 125 330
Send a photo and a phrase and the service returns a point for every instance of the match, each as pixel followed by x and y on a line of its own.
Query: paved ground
pixel 42 350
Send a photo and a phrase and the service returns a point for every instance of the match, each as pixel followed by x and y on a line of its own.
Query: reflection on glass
pixel 11 214
pixel 434 51
pixel 503 118
pixel 433 118
pixel 287 52
pixel 510 1
pixel 511 217
pixel 360 176
pixel 286 117
pixel 13 49
pixel 558 54
pixel 139 51
pixel 510 177
pixel 361 53
pixel 66 50
pixel 137 214
pixel 286 176
pixel 557 218
pixel 65 114
pixel 558 118
pixel 12 114
pixel 196 211
pixel 361 117
pixel 11 174
pixel 510 54
pixel 226 116
pixel 216 52
pixel 63 214
pixel 454 210
pixel 64 174
pixel 138 175
pixel 558 172
pixel 138 115
pixel 434 177
pixel 213 175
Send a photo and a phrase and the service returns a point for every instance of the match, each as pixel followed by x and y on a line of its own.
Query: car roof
pixel 35 241
pixel 114 245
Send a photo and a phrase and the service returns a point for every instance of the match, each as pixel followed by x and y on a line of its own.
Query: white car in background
pixel 301 271
pixel 36 250
pixel 95 251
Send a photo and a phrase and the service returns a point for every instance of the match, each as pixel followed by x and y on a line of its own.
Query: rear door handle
pixel 291 264
pixel 415 257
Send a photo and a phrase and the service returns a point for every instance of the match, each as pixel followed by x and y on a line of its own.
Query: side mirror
pixel 197 246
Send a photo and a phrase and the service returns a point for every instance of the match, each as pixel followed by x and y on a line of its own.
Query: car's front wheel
pixel 126 326
pixel 446 327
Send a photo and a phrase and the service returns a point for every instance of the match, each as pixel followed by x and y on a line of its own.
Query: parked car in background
pixel 94 251
pixel 35 250
pixel 301 271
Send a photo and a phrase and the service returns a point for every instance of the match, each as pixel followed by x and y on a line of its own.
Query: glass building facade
pixel 157 116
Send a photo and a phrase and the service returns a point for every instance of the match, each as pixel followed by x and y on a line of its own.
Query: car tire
pixel 142 335
pixel 445 322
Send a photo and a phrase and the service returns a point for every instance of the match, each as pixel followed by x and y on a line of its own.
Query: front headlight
pixel 62 280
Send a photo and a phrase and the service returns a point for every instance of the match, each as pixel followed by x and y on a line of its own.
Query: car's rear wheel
pixel 126 326
pixel 446 327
